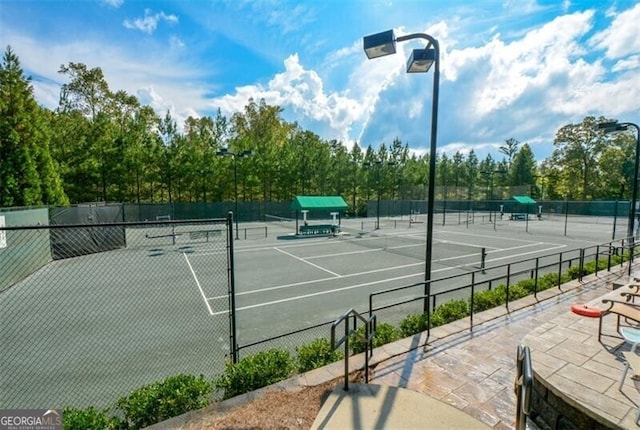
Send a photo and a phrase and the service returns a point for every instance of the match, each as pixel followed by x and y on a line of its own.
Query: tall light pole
pixel 378 165
pixel 612 127
pixel 420 61
pixel 490 174
pixel 224 152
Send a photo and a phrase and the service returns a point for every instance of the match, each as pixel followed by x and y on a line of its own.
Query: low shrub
pixel 255 371
pixel 159 401
pixel 450 311
pixel 574 272
pixel 590 267
pixel 616 259
pixel 413 324
pixel 547 281
pixel 517 292
pixel 385 333
pixel 88 419
pixel 528 284
pixel 487 299
pixel 316 354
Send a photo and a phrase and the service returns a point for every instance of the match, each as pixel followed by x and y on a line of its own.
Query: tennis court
pixel 87 330
pixel 285 283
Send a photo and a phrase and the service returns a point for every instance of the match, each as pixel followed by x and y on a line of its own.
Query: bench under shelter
pixel 334 206
pixel 523 214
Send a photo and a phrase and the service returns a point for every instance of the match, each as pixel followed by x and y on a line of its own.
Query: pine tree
pixel 28 174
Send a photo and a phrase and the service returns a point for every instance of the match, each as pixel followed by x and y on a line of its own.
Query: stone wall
pixel 551 412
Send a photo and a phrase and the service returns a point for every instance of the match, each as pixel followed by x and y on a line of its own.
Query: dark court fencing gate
pixel 84 326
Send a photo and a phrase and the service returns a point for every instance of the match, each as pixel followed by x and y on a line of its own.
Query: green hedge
pixel 255 371
pixel 159 401
pixel 316 354
pixel 385 333
pixel 89 419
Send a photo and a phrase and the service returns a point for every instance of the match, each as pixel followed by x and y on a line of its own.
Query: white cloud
pixel 302 92
pixel 113 3
pixel 622 37
pixel 163 83
pixel 149 23
pixel 629 63
pixel 505 72
pixel 176 43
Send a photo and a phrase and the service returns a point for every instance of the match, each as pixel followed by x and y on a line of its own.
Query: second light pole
pixel 225 152
pixel 420 61
pixel 612 127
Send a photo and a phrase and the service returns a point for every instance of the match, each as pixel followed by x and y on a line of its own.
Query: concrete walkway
pixel 371 406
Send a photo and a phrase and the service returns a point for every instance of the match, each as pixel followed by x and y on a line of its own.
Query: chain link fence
pixel 93 311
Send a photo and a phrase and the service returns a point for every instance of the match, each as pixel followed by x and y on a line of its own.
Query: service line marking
pixel 337 275
pixel 204 297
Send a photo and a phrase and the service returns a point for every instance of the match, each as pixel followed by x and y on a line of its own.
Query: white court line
pixel 366 251
pixel 485 236
pixel 319 293
pixel 527 253
pixel 296 284
pixel 524 246
pixel 313 281
pixel 467 244
pixel 336 290
pixel 198 283
pixel 307 262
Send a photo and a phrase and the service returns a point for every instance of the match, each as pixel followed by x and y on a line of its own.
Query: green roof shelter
pixel 526 201
pixel 305 204
pixel 330 203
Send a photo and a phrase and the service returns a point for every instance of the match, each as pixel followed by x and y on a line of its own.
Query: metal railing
pixel 523 386
pixel 473 282
pixel 507 274
pixel 369 333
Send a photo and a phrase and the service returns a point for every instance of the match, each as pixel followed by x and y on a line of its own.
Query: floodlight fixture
pixel 421 60
pixel 379 44
pixel 611 126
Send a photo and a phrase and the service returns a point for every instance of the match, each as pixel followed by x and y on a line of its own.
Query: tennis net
pixel 278 225
pixel 413 245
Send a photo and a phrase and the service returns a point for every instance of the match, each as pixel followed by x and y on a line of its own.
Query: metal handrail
pixel 370 329
pixel 534 274
pixel 523 386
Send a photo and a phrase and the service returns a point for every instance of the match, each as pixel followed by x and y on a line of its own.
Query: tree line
pixel 104 145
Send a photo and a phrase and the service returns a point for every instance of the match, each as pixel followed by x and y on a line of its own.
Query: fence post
pixel 232 291
pixel 560 271
pixel 508 284
pixel 346 354
pixel 473 287
pixel 615 219
pixel 581 264
pixel 597 258
pixel 535 281
pixel 566 214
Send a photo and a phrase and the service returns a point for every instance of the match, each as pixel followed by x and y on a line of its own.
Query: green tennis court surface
pixel 89 329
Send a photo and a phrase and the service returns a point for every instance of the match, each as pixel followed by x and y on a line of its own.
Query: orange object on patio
pixel 586 310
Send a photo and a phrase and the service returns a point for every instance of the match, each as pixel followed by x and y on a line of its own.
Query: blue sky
pixel 509 68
